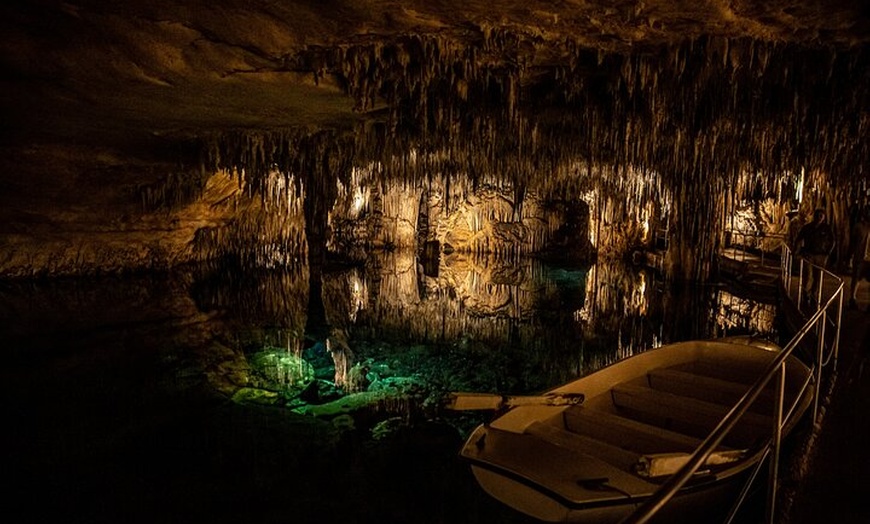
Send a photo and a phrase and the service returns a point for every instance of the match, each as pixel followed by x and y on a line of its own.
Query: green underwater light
pixel 281 369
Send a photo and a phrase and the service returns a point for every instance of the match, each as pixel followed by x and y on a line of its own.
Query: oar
pixel 459 401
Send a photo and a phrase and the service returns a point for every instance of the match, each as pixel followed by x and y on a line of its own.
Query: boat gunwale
pixel 702 481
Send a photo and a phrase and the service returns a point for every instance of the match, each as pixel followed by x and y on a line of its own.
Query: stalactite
pixel 667 121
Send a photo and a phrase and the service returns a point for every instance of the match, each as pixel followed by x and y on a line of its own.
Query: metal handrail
pixel 660 498
pixel 757 242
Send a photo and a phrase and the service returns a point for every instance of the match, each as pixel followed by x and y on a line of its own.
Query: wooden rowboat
pixel 596 461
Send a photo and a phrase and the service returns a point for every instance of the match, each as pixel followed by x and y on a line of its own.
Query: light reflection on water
pixel 117 388
pixel 536 324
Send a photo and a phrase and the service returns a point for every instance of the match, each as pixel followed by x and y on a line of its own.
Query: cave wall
pixel 60 217
pixel 534 100
pixel 485 220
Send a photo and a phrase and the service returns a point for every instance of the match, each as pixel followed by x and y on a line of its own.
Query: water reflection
pixel 117 388
pixel 484 323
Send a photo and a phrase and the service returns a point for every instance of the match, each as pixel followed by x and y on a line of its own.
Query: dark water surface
pixel 214 395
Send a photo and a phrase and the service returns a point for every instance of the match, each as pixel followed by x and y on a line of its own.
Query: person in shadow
pixel 815 242
pixel 859 255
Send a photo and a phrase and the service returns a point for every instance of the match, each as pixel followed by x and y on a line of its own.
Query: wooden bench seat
pixel 730 371
pixel 561 437
pixel 710 389
pixel 688 415
pixel 645 465
pixel 630 434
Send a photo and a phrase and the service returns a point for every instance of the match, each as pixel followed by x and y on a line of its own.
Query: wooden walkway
pixel 829 483
pixel 827 480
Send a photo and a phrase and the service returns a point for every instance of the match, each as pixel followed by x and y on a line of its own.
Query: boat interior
pixel 648 425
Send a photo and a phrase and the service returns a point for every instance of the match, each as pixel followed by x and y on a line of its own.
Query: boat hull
pixel 701 504
pixel 582 463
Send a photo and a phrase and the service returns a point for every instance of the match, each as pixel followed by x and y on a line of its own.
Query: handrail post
pixel 820 286
pixel 648 508
pixel 820 353
pixel 800 286
pixel 837 334
pixel 773 483
pixel 785 267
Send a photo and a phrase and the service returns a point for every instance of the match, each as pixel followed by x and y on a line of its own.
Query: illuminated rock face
pixel 482 221
pixel 651 115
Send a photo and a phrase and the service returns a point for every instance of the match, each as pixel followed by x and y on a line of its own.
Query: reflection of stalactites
pixel 612 297
pixel 358 296
pixel 339 349
pixel 638 302
pixel 274 298
pixel 740 315
pixel 345 294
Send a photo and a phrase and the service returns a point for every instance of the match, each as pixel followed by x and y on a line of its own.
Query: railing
pixel 750 247
pixel 795 292
pixel 817 321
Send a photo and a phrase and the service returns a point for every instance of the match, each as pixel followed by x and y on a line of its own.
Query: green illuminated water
pixel 230 395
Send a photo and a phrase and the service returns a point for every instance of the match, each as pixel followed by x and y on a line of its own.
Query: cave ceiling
pixel 684 87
